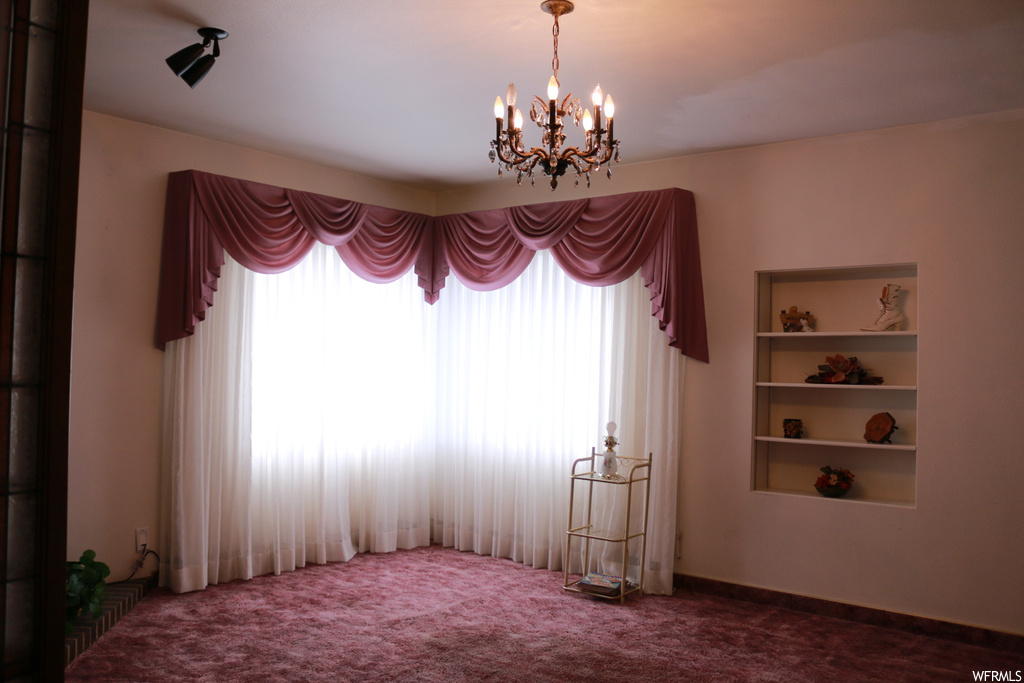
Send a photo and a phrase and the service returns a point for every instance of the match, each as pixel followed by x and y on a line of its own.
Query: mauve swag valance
pixel 599 241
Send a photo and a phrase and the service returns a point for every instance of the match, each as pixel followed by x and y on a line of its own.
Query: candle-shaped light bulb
pixel 553 89
pixel 597 96
pixel 611 428
pixel 518 120
pixel 609 107
pixel 510 95
pixel 499 108
pixel 588 121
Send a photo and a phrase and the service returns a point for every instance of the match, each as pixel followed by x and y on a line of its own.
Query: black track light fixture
pixel 191 63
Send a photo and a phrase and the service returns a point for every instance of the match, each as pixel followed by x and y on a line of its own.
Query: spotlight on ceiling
pixel 191 63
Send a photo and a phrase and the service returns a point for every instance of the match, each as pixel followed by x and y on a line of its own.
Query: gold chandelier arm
pixel 569 152
pixel 508 154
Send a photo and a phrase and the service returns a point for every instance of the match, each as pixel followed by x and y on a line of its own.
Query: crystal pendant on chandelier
pixel 551 158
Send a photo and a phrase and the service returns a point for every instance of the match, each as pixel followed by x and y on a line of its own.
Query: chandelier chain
pixel 554 60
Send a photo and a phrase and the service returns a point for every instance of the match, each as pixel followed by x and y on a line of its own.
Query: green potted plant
pixel 85 586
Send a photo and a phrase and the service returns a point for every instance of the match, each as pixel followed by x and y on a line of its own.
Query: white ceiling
pixel 404 89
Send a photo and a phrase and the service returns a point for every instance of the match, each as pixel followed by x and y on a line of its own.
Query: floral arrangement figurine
pixel 840 370
pixel 834 482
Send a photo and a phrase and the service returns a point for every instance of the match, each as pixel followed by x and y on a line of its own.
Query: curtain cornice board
pixel 597 241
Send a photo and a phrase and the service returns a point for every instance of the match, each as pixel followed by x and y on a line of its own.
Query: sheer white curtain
pixel 524 376
pixel 342 412
pixel 314 415
pixel 206 454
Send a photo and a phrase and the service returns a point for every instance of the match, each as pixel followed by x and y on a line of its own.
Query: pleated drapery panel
pixel 598 241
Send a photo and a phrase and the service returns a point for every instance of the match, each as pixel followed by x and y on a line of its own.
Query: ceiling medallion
pixel 551 158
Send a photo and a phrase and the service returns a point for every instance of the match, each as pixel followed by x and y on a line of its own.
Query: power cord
pixel 141 561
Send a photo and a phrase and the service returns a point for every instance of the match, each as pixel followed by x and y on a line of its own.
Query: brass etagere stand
pixel 632 473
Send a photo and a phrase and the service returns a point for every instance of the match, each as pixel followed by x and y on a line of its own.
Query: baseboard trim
pixel 933 628
pixel 118 598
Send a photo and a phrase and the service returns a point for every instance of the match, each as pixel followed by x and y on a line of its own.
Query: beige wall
pixel 946 196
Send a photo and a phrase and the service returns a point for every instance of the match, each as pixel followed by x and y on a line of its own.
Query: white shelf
pixel 838 443
pixel 851 498
pixel 811 335
pixel 814 385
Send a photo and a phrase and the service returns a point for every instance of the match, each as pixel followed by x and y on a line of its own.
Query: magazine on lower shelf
pixel 600 584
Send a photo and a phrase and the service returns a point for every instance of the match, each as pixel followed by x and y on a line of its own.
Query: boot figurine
pixel 890 317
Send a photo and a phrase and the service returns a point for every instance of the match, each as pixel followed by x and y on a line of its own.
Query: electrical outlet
pixel 141 539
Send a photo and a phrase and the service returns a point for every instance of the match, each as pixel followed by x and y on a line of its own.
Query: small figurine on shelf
pixel 834 482
pixel 889 317
pixel 794 321
pixel 792 428
pixel 879 428
pixel 609 462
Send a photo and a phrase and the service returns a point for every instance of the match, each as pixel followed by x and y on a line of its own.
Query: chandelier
pixel 551 158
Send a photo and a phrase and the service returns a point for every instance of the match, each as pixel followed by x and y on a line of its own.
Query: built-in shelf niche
pixel 842 301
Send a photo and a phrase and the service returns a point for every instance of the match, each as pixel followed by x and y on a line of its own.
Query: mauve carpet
pixel 436 614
